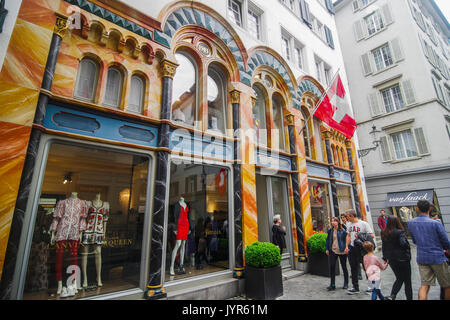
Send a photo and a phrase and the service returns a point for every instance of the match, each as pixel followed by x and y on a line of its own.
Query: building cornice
pixel 407 172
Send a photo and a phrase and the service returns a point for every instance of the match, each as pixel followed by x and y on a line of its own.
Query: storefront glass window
pixel 184 91
pixel 344 198
pixel 88 231
pixel 198 225
pixel 320 206
pixel 279 194
pixel 259 116
pixel 216 100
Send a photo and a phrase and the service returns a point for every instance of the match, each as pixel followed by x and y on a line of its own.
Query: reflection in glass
pixel 278 142
pixel 105 205
pixel 198 225
pixel 320 206
pixel 280 207
pixel 184 91
pixel 87 79
pixel 216 100
pixel 344 198
pixel 259 116
pixel 113 88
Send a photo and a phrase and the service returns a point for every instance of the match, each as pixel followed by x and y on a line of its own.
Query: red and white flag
pixel 335 109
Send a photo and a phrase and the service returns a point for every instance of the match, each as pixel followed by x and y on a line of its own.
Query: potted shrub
pixel 263 279
pixel 317 257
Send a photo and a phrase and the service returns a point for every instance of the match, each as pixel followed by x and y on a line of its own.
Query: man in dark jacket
pixel 278 233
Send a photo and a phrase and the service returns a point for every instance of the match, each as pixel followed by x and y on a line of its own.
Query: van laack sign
pixel 408 198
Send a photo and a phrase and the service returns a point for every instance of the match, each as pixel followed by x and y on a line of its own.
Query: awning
pixel 408 198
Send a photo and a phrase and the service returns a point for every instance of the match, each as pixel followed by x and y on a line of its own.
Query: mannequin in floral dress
pixel 181 210
pixel 94 236
pixel 69 221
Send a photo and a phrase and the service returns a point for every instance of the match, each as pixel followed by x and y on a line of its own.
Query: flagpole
pixel 318 103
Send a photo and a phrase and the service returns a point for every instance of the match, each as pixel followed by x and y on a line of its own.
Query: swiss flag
pixel 335 109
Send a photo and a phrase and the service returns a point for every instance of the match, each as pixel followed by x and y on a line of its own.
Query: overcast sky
pixel 444 5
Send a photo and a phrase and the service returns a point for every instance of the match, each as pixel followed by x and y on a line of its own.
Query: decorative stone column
pixel 237 196
pixel 296 187
pixel 155 288
pixel 348 145
pixel 327 135
pixel 59 31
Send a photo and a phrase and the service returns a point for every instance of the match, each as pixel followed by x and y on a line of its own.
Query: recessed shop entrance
pixel 272 199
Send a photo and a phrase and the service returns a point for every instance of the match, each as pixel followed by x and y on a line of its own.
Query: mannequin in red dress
pixel 182 223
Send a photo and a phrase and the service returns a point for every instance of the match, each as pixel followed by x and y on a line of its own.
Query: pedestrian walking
pixel 382 220
pixel 354 227
pixel 396 250
pixel 431 240
pixel 335 247
pixel 373 266
pixel 344 221
pixel 278 233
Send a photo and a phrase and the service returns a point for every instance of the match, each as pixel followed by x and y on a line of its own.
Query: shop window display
pixel 320 206
pixel 88 231
pixel 198 225
pixel 344 198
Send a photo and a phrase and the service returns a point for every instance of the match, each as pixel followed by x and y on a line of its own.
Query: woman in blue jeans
pixel 335 246
pixel 396 250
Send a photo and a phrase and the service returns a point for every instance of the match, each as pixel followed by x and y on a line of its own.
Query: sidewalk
pixel 312 287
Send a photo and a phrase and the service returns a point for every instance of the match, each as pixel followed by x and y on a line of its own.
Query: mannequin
pixel 69 222
pixel 94 236
pixel 182 230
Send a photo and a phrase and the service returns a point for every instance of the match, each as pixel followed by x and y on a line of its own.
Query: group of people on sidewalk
pixel 353 238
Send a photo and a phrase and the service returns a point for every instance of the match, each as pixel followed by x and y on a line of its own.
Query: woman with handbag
pixel 396 250
pixel 335 246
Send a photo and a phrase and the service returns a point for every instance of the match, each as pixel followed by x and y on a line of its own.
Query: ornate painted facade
pixel 38 91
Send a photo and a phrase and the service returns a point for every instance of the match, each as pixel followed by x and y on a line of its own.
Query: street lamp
pixel 376 142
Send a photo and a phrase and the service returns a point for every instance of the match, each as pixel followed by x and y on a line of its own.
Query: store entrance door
pixel 272 199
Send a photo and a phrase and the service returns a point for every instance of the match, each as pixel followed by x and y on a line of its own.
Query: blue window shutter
pixel 329 36
pixel 304 12
pixel 330 6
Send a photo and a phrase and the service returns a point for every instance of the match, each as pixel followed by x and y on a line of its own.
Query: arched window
pixel 277 111
pixel 259 116
pixel 217 99
pixel 306 135
pixel 86 80
pixel 318 140
pixel 113 88
pixel 184 100
pixel 136 97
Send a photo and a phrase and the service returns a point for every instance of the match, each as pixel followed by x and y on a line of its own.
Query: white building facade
pixel 396 57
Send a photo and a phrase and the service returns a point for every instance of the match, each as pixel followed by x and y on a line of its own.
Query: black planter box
pixel 263 284
pixel 318 264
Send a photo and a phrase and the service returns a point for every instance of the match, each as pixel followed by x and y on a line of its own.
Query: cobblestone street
pixel 311 287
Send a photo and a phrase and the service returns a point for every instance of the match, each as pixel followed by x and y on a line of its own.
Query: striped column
pixel 15 234
pixel 296 188
pixel 155 288
pixel 332 175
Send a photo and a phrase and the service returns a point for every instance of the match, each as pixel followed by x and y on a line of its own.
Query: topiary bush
pixel 262 255
pixel 317 243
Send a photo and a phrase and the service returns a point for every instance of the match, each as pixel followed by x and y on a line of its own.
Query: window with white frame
pixel 235 12
pixel 247 15
pixel 374 22
pixel 317 27
pixel 404 145
pixel 285 47
pixel 298 56
pixel 382 57
pixel 392 98
pixel 254 24
pixel 323 71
